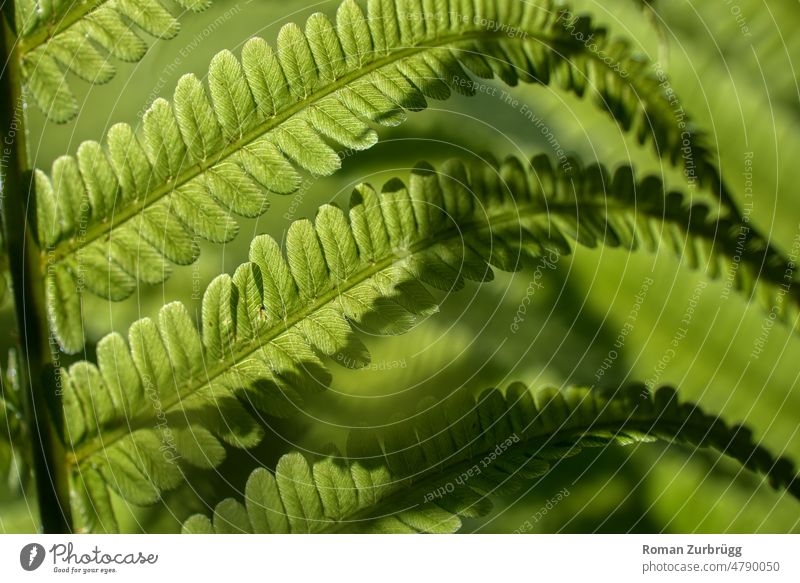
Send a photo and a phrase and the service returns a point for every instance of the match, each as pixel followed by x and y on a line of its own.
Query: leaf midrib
pixel 69 246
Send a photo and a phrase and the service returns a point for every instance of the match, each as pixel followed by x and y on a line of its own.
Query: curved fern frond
pixel 172 392
pixel 125 210
pixel 425 475
pixel 80 37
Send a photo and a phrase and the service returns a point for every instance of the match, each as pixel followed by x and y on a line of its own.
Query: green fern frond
pixel 125 210
pixel 80 37
pixel 172 393
pixel 425 475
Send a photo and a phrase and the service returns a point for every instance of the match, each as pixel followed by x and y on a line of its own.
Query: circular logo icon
pixel 31 556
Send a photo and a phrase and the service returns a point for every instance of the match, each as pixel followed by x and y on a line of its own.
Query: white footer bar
pixel 353 559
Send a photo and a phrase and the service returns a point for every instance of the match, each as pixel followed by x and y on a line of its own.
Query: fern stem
pixel 37 369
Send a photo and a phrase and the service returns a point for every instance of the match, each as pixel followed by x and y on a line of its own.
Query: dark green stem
pixel 42 400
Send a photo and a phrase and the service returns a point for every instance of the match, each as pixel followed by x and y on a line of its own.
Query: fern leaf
pixel 170 393
pixel 65 36
pixel 270 114
pixel 425 475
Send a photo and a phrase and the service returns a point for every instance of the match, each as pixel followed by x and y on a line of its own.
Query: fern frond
pixel 425 475
pixel 172 392
pixel 125 210
pixel 80 37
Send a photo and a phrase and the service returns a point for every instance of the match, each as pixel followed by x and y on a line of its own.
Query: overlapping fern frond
pixel 57 37
pixel 172 394
pixel 424 475
pixel 124 210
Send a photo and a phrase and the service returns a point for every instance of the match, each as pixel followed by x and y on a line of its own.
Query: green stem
pixel 42 402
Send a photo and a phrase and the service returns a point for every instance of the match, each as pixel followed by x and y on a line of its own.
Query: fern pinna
pixel 188 387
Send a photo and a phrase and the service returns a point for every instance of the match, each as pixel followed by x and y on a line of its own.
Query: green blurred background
pixel 732 63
